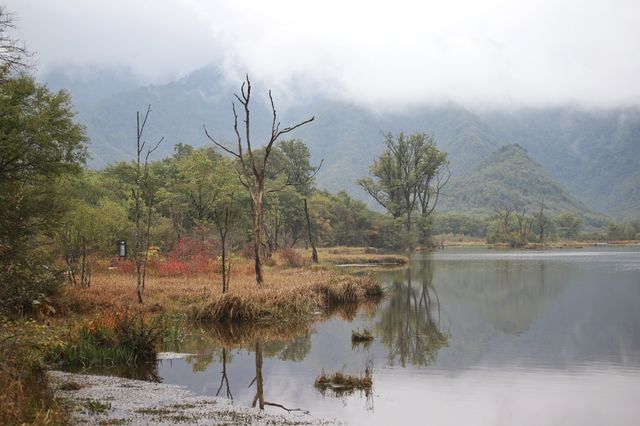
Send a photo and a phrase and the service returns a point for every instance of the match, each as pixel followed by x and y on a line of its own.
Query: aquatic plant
pixel 363 335
pixel 340 382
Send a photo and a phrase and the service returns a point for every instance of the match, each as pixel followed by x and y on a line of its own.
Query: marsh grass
pixel 287 294
pixel 356 255
pixel 293 296
pixel 26 396
pixel 360 336
pixel 341 383
pixel 116 337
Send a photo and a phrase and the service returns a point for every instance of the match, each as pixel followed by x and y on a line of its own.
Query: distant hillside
pixel 509 176
pixel 594 154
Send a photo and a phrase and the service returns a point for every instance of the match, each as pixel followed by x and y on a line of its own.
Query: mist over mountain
pixel 594 154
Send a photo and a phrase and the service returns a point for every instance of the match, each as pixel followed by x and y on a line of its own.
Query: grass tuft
pixel 341 383
pixel 363 335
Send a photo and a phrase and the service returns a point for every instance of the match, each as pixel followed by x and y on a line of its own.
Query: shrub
pixel 26 286
pixel 292 258
pixel 189 256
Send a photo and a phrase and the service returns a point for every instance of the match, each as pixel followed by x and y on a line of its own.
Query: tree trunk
pixel 314 252
pixel 259 381
pixel 257 227
pixel 224 262
pixel 408 229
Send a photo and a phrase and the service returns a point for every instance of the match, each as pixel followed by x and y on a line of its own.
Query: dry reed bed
pixel 287 294
pixel 356 255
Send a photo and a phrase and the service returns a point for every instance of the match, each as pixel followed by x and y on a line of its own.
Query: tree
pixel 252 170
pixel 409 174
pixel 541 221
pixel 314 252
pixel 568 224
pixel 13 53
pixel 40 144
pixel 143 200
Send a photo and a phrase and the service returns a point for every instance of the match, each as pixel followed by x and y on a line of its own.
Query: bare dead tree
pixel 314 252
pixel 223 229
pixel 252 171
pixel 74 247
pixel 503 212
pixel 142 198
pixel 542 221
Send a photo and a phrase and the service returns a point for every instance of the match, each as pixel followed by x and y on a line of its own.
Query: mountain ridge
pixel 594 154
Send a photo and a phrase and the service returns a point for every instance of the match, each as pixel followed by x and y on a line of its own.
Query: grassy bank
pixel 25 394
pixel 104 326
pixel 287 294
pixel 356 256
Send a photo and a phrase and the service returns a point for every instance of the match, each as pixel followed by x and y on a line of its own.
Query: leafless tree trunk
pixel 542 221
pixel 314 252
pixel 74 246
pixel 223 228
pixel 252 172
pixel 138 193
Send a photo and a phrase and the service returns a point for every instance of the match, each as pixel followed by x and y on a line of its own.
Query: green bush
pixel 26 286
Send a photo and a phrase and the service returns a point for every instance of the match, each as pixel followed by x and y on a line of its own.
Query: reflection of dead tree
pixel 224 380
pixel 258 380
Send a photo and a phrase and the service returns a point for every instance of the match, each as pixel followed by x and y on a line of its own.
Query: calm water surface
pixel 463 337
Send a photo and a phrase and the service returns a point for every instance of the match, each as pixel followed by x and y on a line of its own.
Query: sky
pixel 493 53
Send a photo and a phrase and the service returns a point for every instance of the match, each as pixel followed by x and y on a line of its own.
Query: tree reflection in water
pixel 259 382
pixel 224 380
pixel 409 324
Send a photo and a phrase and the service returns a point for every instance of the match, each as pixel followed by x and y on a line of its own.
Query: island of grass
pixel 361 336
pixel 341 383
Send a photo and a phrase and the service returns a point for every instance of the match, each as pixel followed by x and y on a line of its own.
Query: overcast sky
pixel 476 52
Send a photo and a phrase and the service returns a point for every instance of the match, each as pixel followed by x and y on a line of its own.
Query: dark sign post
pixel 122 248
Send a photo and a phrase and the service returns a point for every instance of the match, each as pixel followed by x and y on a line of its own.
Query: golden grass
pixel 355 256
pixel 287 294
pixel 341 383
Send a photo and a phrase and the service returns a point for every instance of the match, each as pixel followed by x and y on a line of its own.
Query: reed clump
pixel 341 383
pixel 113 338
pixel 360 336
pixel 293 296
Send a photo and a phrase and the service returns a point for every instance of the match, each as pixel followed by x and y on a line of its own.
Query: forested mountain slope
pixel 510 178
pixel 594 154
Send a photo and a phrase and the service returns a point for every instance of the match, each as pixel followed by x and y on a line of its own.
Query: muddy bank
pixel 114 400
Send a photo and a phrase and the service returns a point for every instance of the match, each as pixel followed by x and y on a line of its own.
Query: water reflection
pixel 488 338
pixel 224 380
pixel 259 382
pixel 409 324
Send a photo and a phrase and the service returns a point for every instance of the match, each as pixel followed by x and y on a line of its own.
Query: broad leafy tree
pixel 408 176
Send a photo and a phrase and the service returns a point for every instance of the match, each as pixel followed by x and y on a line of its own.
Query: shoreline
pixel 115 400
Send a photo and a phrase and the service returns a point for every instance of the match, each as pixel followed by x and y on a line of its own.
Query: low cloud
pixel 382 54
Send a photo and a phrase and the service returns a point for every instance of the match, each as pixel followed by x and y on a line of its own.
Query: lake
pixel 462 337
